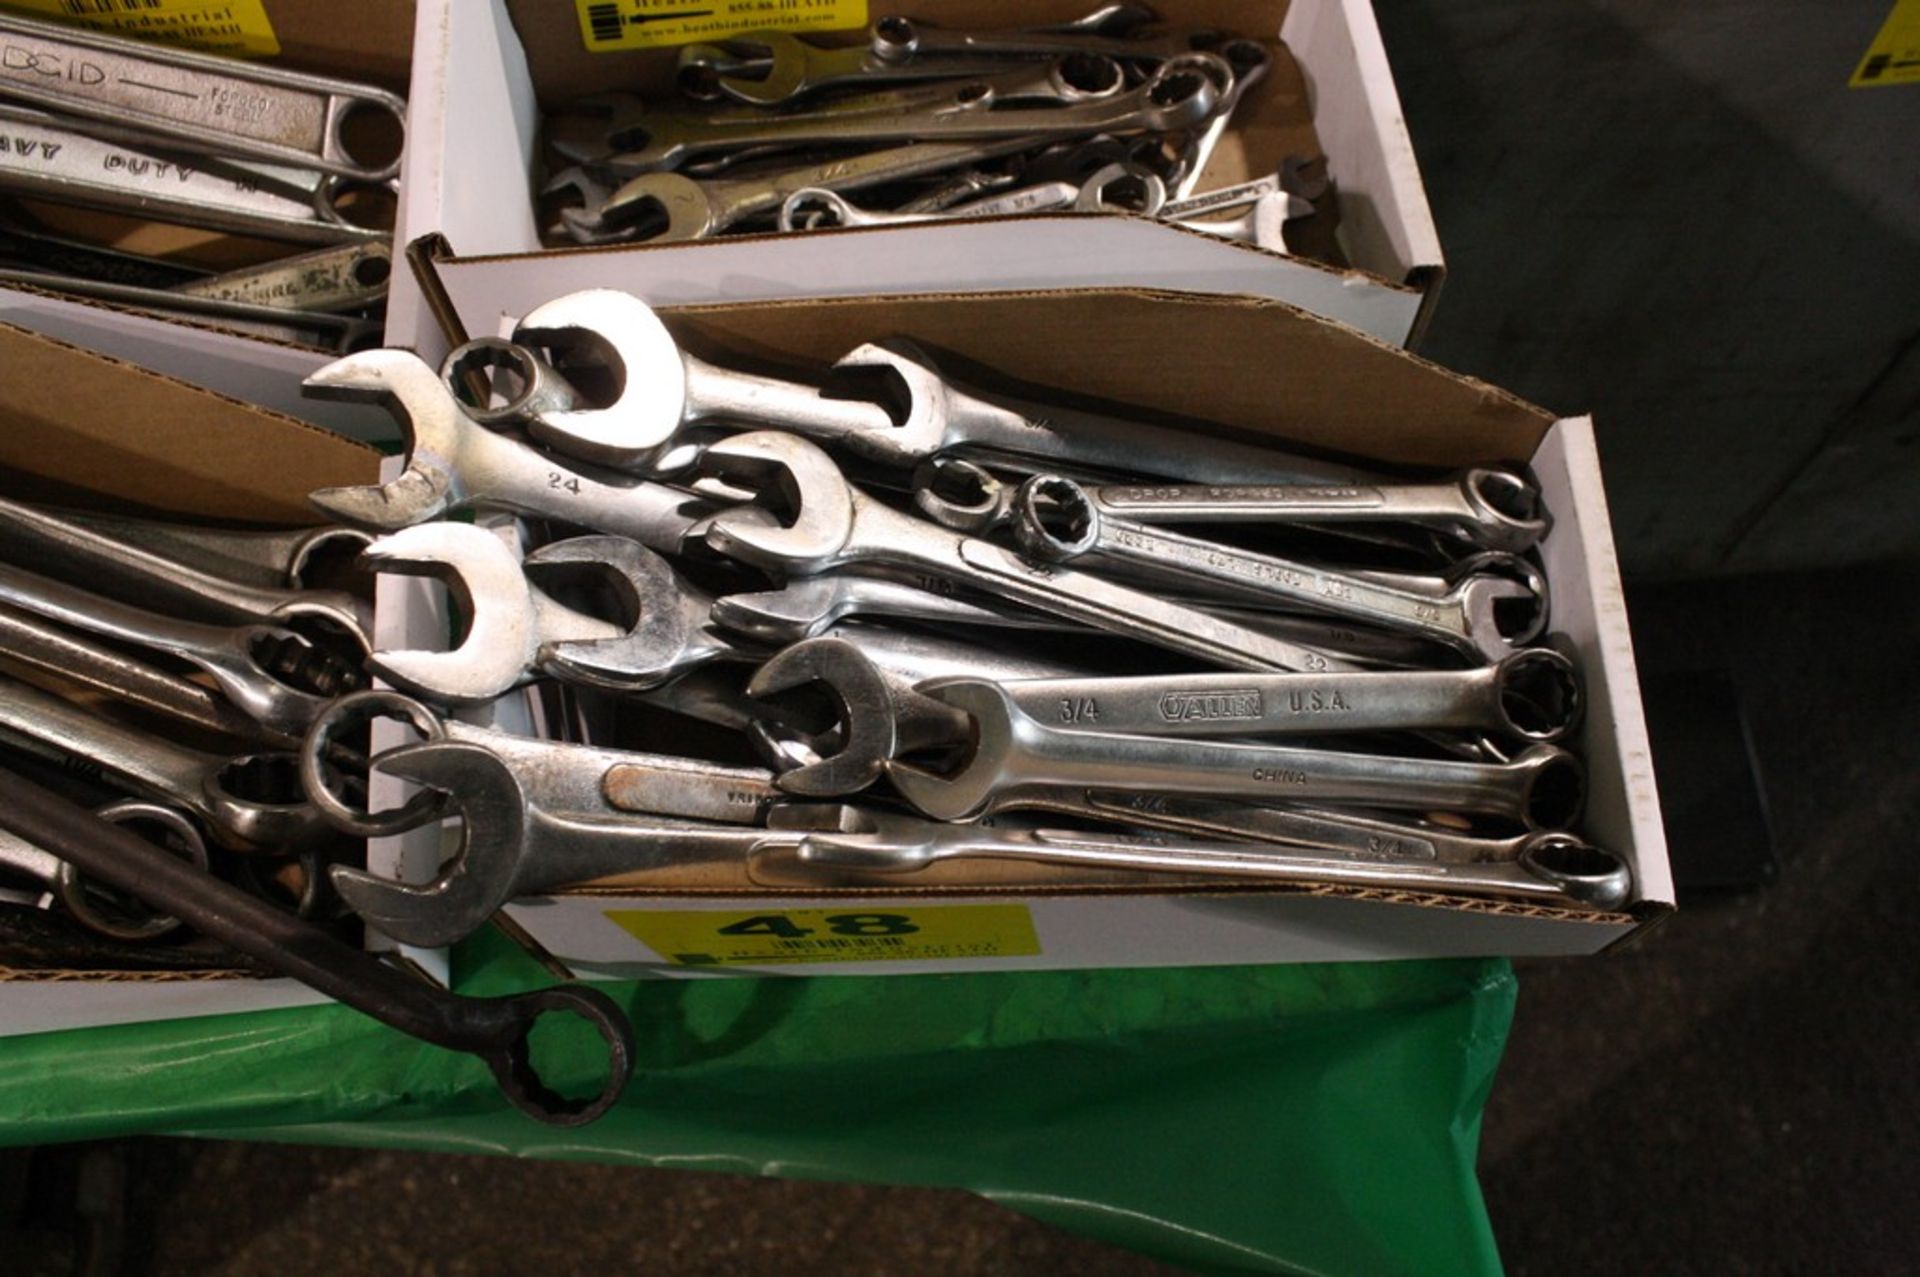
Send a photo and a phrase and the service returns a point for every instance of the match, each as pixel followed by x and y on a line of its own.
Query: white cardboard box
pixel 1246 363
pixel 474 122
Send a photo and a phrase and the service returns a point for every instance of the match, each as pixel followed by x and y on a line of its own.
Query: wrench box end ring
pixel 512 1060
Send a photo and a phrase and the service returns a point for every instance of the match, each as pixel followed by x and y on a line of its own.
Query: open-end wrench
pixel 496 1029
pixel 671 207
pixel 143 575
pixel 835 525
pixel 579 776
pixel 344 278
pixel 939 414
pixel 1177 97
pixel 662 387
pixel 527 831
pixel 202 784
pixel 1493 508
pixel 47 158
pixel 1057 523
pixel 815 209
pixel 1533 695
pixel 454 462
pixel 195 101
pixel 881 844
pixel 271 674
pixel 1543 787
pixel 115 916
pixel 517 632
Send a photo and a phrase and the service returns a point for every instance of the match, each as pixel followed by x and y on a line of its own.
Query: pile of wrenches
pixel 1107 112
pixel 167 674
pixel 954 627
pixel 163 135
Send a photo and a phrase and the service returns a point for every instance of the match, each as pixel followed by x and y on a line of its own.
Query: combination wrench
pixel 497 1029
pixel 194 101
pixel 348 277
pixel 111 915
pixel 815 209
pixel 836 525
pixel 1057 523
pixel 1542 787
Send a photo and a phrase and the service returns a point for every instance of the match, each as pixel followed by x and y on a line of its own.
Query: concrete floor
pixel 1734 1094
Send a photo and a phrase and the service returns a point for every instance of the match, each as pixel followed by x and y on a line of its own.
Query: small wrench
pixel 116 918
pixel 815 209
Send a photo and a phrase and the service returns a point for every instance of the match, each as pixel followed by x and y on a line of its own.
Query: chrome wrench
pixel 115 917
pixel 205 104
pixel 349 277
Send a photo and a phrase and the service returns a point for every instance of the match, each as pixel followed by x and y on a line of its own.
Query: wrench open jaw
pixel 621 332
pixel 517 632
pixel 431 426
pixel 879 718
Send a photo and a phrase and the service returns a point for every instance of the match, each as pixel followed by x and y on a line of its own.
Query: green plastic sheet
pixel 1273 1119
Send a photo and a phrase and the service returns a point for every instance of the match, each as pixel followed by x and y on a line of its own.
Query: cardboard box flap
pixel 74 420
pixel 1339 390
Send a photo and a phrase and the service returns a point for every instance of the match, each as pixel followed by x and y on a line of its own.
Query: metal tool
pixel 669 207
pixel 349 277
pixel 625 780
pixel 527 830
pixel 1492 508
pixel 45 157
pixel 815 209
pixel 497 1029
pixel 142 575
pixel 334 333
pixel 836 525
pixel 1057 523
pixel 271 674
pixel 280 560
pixel 249 802
pixel 1263 224
pixel 901 41
pixel 29 248
pixel 1543 787
pixel 939 414
pixel 881 845
pixel 808 606
pixel 662 390
pixel 111 915
pixel 206 104
pixel 1177 96
pixel 453 463
pixel 516 631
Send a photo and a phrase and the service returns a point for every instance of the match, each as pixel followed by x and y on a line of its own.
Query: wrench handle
pixel 495 1029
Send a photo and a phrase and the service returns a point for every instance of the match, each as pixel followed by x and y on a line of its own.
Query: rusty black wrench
pixel 496 1029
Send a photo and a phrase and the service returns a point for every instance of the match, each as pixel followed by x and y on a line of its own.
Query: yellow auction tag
pixel 609 26
pixel 238 28
pixel 881 933
pixel 1894 55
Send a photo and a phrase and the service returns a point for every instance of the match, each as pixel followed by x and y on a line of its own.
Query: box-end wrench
pixel 1551 873
pixel 836 525
pixel 497 1029
pixel 147 577
pixel 1543 787
pixel 517 632
pixel 271 674
pixel 114 915
pixel 202 103
pixel 48 159
pixel 207 785
pixel 453 462
pixel 1057 523
pixel 1533 695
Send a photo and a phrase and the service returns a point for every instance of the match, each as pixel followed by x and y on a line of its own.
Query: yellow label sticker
pixel 884 933
pixel 609 26
pixel 238 28
pixel 1894 55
